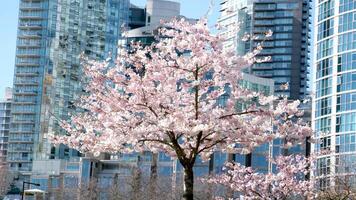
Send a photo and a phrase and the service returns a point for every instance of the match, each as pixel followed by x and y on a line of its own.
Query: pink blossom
pixel 163 102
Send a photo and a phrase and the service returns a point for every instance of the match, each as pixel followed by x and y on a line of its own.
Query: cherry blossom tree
pixel 166 97
pixel 288 182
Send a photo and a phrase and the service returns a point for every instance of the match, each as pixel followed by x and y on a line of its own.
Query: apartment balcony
pixel 19 150
pixel 21 131
pixel 26 93
pixel 21 45
pixel 35 83
pixel 264 7
pixel 30 35
pixel 5 129
pixel 28 63
pixel 262 67
pixel 27 55
pixel 264 16
pixel 33 26
pixel 30 15
pixel 21 140
pixel 17 102
pixel 30 6
pixel 22 74
pixel 23 122
pixel 23 112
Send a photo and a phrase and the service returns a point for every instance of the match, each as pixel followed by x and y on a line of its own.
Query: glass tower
pixel 288 46
pixel 334 114
pixel 51 36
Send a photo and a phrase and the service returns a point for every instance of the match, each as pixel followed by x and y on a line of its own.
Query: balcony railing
pixel 21 139
pixel 30 5
pixel 35 15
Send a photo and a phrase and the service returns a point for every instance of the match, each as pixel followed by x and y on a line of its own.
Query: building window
pixel 324 68
pixel 287 5
pixel 323 87
pixel 347 41
pixel 346 82
pixel 346 102
pixel 324 144
pixel 346 122
pixel 326 10
pixel 324 48
pixel 323 166
pixel 347 22
pixel 345 143
pixel 322 125
pixel 283 21
pixel 346 62
pixel 346 164
pixel 346 5
pixel 323 107
pixel 325 29
pixel 280 43
pixel 282 58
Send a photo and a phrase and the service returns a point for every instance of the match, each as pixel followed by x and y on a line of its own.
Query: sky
pixel 8 24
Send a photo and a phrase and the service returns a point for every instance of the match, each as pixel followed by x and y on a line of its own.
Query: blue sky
pixel 8 24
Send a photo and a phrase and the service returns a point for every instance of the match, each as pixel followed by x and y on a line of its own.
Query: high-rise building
pixel 288 46
pixel 334 105
pixel 5 108
pixel 235 20
pixel 51 36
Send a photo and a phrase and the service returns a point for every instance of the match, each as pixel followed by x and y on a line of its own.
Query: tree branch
pixel 239 113
pixel 149 108
pixel 212 145
pixel 156 140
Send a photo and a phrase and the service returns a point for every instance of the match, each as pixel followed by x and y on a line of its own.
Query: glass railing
pixel 30 5
pixel 29 43
pixel 28 24
pixel 28 61
pixel 30 14
pixel 21 139
pixel 28 52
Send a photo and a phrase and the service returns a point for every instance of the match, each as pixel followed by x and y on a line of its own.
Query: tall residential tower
pixel 334 114
pixel 288 46
pixel 288 49
pixel 51 36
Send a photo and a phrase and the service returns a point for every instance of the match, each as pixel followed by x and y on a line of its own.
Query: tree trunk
pixel 153 178
pixel 188 183
pixel 210 192
pixel 136 180
pixel 229 191
pixel 136 184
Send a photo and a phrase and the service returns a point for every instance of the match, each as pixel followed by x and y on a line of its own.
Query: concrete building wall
pixel 157 10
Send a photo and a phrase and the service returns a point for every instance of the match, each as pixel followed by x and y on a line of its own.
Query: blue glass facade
pixel 51 36
pixel 288 48
pixel 334 117
pixel 31 58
